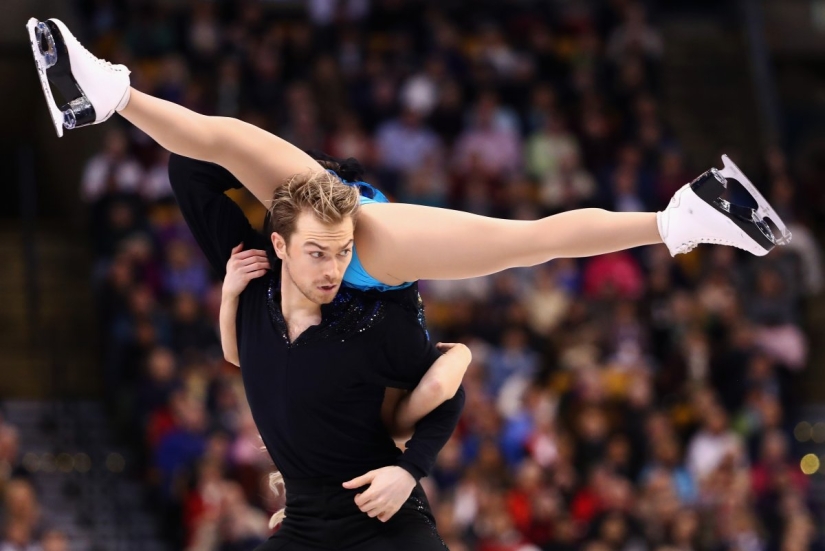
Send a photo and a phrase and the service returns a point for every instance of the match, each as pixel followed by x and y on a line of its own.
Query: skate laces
pixel 98 60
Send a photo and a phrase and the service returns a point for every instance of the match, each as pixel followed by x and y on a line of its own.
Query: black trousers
pixel 324 517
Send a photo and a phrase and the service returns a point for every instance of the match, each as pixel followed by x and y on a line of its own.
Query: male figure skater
pixel 315 359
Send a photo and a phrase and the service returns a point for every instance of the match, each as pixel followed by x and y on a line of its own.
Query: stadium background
pixel 626 402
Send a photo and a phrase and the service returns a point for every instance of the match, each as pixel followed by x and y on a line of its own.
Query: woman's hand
pixel 443 347
pixel 243 267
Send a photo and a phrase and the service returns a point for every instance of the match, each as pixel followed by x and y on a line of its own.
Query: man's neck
pixel 299 312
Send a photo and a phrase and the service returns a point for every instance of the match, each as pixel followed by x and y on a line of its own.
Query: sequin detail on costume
pixel 419 312
pixel 349 314
pixel 419 506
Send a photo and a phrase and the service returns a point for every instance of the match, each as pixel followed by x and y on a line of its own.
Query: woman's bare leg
pixel 399 242
pixel 260 160
pixel 396 242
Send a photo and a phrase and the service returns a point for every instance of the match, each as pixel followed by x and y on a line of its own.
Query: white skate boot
pixel 698 214
pixel 93 89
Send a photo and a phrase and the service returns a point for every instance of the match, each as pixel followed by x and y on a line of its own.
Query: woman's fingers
pixel 255 267
pixel 251 260
pixel 248 253
pixel 241 264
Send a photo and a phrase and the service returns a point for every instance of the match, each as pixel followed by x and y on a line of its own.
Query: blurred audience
pixel 628 402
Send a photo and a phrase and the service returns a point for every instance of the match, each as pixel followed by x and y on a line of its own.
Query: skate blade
pixel 42 63
pixel 764 209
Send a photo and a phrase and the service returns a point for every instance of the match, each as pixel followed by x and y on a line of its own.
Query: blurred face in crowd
pixel 178 255
pixel 774 448
pixel 614 529
pixel 161 365
pixel 667 452
pixel 21 502
pixel 592 424
pixel 316 256
pixel 55 541
pixel 685 527
pixel 9 444
pixel 18 533
pixel 716 421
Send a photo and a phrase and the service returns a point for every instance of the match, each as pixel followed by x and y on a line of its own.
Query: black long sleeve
pixel 431 433
pixel 408 354
pixel 216 221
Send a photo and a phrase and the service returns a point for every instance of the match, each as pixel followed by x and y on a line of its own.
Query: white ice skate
pixel 698 214
pixel 92 89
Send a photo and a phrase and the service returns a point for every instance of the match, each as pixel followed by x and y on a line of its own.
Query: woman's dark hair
pixel 349 170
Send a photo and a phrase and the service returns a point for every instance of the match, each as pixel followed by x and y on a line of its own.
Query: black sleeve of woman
pixel 215 220
pixel 406 353
pixel 431 433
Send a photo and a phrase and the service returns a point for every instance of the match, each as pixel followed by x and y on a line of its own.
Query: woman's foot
pixel 92 89
pixel 698 214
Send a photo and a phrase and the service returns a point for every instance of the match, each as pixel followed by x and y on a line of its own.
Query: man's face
pixel 317 256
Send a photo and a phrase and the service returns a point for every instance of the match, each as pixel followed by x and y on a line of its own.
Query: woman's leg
pixel 260 160
pixel 398 242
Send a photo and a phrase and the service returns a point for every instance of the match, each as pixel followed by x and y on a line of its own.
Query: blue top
pixel 356 275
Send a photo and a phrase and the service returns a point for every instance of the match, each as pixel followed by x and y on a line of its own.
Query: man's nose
pixel 333 270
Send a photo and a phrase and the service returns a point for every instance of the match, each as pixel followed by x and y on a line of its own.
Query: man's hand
pixel 243 267
pixel 389 489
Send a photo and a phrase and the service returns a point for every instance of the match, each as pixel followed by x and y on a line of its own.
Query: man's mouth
pixel 327 288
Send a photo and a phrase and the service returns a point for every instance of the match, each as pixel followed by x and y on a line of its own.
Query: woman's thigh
pixel 398 243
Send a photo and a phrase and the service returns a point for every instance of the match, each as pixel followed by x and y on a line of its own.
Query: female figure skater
pixel 396 243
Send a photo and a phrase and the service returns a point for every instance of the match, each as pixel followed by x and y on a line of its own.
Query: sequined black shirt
pixel 317 401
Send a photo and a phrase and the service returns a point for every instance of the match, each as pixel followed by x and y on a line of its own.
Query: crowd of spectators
pixel 626 402
pixel 25 526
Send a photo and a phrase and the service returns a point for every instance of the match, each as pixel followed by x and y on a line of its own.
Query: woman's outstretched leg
pixel 407 242
pixel 260 160
pixel 94 90
pixel 398 242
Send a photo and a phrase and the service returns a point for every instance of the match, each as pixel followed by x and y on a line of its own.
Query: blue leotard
pixel 356 276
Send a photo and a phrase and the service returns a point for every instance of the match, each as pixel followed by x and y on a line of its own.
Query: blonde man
pixel 316 359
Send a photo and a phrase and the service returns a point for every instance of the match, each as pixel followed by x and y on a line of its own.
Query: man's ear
pixel 279 244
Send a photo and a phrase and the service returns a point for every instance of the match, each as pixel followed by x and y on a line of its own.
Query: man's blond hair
pixel 323 194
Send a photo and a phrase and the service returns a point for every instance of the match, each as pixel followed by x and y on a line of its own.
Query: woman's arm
pixel 242 267
pixel 438 385
pixel 229 341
